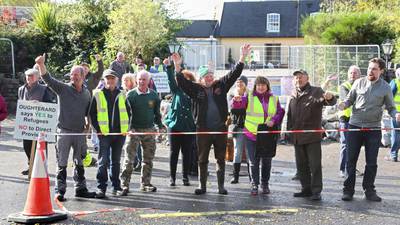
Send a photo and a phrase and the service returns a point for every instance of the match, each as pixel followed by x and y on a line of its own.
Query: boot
pixel 236 170
pixel 221 179
pixel 202 189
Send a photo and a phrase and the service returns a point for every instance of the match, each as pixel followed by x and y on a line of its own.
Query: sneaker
pixel 342 174
pixel 147 188
pixel 200 191
pixel 222 191
pixel 302 194
pixel 100 194
pixel 117 191
pixel 84 193
pixel 254 190
pixel 372 196
pixel 265 189
pixel 347 197
pixel 25 172
pixel 316 197
pixel 60 197
pixel 172 183
pixel 124 192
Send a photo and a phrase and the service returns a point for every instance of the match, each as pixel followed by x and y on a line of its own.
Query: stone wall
pixel 9 90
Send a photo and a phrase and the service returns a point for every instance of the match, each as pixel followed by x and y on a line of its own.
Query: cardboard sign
pixel 161 82
pixel 33 118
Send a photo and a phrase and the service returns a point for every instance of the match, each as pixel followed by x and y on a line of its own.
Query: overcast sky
pixel 197 9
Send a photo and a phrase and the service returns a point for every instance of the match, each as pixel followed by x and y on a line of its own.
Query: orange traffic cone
pixel 38 208
pixel 38 202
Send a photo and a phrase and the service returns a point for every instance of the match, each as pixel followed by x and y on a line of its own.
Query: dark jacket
pixel 238 116
pixel 38 92
pixel 92 79
pixel 305 113
pixel 180 116
pixel 112 109
pixel 220 89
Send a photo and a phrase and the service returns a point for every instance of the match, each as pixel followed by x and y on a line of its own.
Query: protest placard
pixel 161 82
pixel 33 118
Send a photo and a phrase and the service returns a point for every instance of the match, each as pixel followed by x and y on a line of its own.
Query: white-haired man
pixel 32 91
pixel 144 107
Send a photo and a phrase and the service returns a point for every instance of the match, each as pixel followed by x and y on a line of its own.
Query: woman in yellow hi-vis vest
pixel 262 107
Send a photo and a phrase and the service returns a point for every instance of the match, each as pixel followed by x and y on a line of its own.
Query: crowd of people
pixel 121 107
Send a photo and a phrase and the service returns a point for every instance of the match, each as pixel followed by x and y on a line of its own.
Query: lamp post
pixel 387 47
pixel 174 46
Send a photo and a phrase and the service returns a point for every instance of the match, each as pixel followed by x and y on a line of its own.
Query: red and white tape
pixel 237 132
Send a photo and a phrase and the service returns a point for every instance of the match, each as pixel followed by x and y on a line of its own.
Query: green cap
pixel 203 70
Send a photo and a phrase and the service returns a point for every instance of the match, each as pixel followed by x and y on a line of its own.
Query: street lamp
pixel 387 47
pixel 174 46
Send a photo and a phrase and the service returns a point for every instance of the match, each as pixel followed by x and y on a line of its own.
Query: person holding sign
pixel 74 106
pixel 32 91
pixel 210 99
pixel 108 114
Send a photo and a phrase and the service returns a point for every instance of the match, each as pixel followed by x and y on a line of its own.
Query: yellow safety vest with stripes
pixel 160 68
pixel 255 112
pixel 346 112
pixel 397 95
pixel 102 112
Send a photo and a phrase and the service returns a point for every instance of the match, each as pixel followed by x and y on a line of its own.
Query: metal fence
pixel 197 55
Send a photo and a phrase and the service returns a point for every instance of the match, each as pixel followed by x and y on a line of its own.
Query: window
pixel 273 22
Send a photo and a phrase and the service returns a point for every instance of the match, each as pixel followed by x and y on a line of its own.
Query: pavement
pixel 178 205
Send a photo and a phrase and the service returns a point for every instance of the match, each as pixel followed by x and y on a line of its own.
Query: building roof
pixel 248 19
pixel 199 29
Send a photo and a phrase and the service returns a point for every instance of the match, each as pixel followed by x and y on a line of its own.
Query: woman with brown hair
pixel 262 107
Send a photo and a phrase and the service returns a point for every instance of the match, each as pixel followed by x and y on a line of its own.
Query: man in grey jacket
pixel 74 106
pixel 367 97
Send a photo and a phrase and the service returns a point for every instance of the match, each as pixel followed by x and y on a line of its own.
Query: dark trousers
pixel 184 144
pixel 371 140
pixel 110 151
pixel 194 156
pixel 27 148
pixel 308 162
pixel 255 165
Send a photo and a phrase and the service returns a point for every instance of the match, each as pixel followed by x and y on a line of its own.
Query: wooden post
pixel 32 159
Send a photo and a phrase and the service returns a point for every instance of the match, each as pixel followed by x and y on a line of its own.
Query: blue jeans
pixel 371 140
pixel 238 143
pixel 255 164
pixel 110 148
pixel 395 140
pixel 343 147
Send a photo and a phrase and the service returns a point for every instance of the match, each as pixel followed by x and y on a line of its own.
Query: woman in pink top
pixel 262 92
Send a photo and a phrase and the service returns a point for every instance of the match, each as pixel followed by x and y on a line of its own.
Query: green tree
pixel 139 26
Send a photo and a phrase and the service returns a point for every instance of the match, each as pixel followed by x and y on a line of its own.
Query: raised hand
pixel 166 62
pixel 40 59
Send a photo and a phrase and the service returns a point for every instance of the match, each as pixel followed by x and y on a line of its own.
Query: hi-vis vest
pixel 346 112
pixel 255 112
pixel 160 68
pixel 397 96
pixel 102 112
